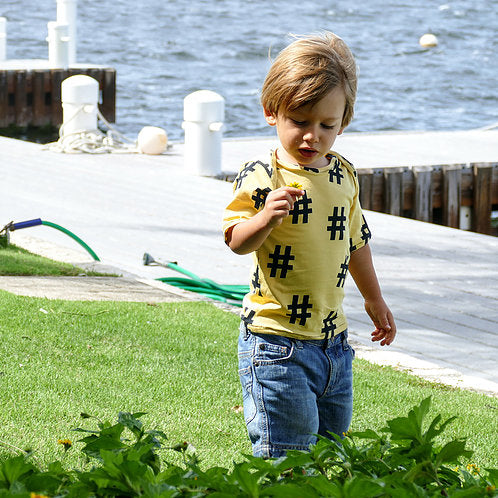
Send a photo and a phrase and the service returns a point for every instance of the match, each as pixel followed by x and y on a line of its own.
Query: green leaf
pixel 366 434
pixel 410 427
pixel 248 481
pixel 452 451
pixel 132 422
pixel 14 469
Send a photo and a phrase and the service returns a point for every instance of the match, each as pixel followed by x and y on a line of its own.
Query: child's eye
pixel 328 127
pixel 298 123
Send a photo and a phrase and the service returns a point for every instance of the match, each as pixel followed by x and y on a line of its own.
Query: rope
pixel 93 142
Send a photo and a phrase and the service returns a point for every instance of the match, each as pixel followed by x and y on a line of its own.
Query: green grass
pixel 16 261
pixel 178 363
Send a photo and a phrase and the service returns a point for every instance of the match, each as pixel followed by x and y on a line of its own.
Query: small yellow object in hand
pixel 295 185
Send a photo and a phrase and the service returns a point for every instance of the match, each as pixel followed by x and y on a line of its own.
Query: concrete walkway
pixel 442 284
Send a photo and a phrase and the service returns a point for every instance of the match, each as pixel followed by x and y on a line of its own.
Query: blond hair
pixel 306 70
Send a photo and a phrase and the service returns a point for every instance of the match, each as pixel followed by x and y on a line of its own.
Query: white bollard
pixel 203 114
pixel 66 14
pixel 3 38
pixel 79 95
pixel 58 44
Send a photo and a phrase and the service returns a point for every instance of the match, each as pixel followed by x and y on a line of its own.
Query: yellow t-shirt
pixel 297 286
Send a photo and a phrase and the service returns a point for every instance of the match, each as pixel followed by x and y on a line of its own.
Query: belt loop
pixel 345 339
pixel 245 330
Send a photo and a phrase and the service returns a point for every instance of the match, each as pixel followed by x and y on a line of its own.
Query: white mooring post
pixel 58 44
pixel 203 114
pixel 79 95
pixel 3 38
pixel 66 14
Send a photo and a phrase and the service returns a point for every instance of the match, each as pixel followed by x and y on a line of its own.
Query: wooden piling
pixel 483 181
pixel 452 195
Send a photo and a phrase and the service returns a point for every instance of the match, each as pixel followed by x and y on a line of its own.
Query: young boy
pixel 297 211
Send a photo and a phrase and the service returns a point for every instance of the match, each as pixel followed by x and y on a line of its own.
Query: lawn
pixel 177 362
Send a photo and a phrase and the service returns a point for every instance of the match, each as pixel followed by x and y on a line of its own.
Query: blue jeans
pixel 293 390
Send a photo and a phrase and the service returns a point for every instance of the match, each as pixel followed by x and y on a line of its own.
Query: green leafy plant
pixel 404 460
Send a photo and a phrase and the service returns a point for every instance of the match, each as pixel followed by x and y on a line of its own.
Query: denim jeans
pixel 293 390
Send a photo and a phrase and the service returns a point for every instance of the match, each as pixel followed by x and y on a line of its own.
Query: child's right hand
pixel 279 203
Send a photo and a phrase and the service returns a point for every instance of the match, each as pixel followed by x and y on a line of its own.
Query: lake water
pixel 164 50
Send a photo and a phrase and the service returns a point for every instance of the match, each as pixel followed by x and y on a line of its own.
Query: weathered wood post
pixel 483 181
pixel 393 191
pixel 452 193
pixel 423 193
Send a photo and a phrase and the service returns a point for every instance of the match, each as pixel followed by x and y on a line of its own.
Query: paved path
pixel 441 283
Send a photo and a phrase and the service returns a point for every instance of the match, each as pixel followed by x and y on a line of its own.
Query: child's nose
pixel 311 135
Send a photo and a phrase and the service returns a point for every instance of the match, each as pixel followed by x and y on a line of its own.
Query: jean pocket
pixel 272 350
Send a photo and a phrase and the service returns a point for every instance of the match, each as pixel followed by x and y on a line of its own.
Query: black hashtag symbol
pixel 328 324
pixel 336 171
pixel 301 208
pixel 259 196
pixel 248 319
pixel 365 231
pixel 337 223
pixel 285 259
pixel 256 284
pixel 352 247
pixel 248 167
pixel 299 310
pixel 341 276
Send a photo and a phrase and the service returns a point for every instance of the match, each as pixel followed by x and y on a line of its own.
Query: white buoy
pixel 203 114
pixel 428 40
pixel 58 44
pixel 66 14
pixel 79 95
pixel 152 140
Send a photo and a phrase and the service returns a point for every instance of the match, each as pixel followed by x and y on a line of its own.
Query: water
pixel 164 50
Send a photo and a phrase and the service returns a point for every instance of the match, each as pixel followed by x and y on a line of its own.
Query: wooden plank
pixel 423 193
pixel 4 100
pixel 393 191
pixel 481 213
pixel 108 107
pixel 378 203
pixel 21 98
pixel 11 89
pixel 41 101
pixel 57 76
pixel 494 188
pixel 365 179
pixel 452 193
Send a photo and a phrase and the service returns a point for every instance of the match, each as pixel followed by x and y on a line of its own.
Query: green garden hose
pixel 231 294
pixel 38 221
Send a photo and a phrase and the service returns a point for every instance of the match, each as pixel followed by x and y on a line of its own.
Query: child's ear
pixel 271 119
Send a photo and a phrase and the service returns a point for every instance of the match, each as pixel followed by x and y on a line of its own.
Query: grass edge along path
pixel 17 261
pixel 178 363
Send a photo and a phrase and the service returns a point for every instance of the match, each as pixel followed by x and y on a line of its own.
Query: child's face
pixel 308 133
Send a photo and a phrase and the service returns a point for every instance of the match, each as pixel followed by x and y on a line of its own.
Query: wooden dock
pixel 31 96
pixel 435 194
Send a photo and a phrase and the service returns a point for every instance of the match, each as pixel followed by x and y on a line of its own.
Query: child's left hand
pixel 382 318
